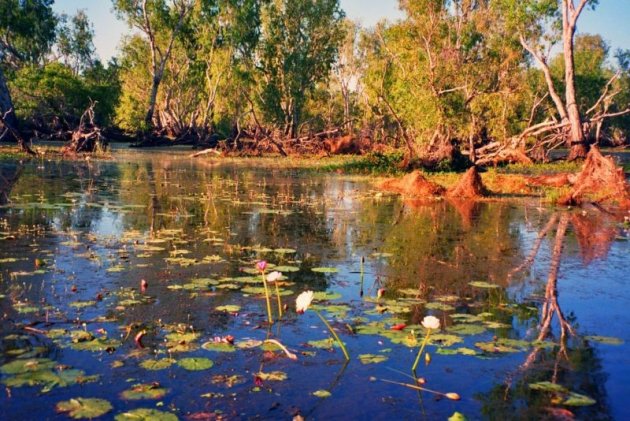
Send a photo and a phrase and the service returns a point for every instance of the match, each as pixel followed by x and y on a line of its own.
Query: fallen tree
pixel 87 137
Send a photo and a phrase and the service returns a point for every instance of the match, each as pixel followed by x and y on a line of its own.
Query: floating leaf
pixel 326 296
pixel 457 416
pixel 322 393
pixel 228 381
pixel 548 387
pixel 230 308
pixel 144 391
pixel 439 306
pixel 575 399
pixel 284 269
pixel 285 251
pixel 195 364
pixel 79 408
pixel 160 364
pixel 277 376
pixel 146 414
pixel 218 346
pixel 466 329
pixel 325 270
pixel 455 351
pixel 606 340
pixel 372 358
pixel 482 284
pixel 323 343
pixel 26 366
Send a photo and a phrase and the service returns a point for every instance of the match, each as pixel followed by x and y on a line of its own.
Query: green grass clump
pixel 372 163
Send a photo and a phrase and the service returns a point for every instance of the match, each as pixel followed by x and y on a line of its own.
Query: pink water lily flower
pixel 274 276
pixel 261 266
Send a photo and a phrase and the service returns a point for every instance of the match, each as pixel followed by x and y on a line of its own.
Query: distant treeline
pixel 452 78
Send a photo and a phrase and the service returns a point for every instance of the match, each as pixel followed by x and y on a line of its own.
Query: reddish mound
pixel 414 185
pixel 601 178
pixel 469 186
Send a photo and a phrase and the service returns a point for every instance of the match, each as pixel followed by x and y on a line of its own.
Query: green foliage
pixel 27 30
pixel 300 42
pixel 54 95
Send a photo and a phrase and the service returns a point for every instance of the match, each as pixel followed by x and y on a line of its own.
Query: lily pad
pixel 144 391
pixel 230 308
pixel 79 408
pixel 160 364
pixel 548 387
pixel 482 284
pixel 606 340
pixel 372 358
pixel 276 376
pixel 195 364
pixel 146 414
pixel 575 399
pixel 325 270
pixel 322 393
pixel 218 346
pixel 26 366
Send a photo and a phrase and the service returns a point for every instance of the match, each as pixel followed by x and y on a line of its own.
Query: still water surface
pixel 76 239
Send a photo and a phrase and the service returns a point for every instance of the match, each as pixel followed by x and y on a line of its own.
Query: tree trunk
pixel 7 111
pixel 577 141
pixel 148 120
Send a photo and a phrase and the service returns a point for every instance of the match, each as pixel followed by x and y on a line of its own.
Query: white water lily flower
pixel 274 276
pixel 303 301
pixel 431 322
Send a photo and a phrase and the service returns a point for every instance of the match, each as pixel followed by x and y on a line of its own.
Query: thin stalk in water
pixel 343 347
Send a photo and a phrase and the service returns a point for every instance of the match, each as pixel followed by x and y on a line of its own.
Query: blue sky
pixel 611 19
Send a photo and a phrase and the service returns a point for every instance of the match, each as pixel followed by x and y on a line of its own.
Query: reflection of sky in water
pixel 334 221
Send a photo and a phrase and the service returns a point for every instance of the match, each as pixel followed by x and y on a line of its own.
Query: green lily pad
pixel 144 391
pixel 548 387
pixel 456 351
pixel 230 308
pixel 285 251
pixel 160 364
pixel 482 284
pixel 323 343
pixel 439 306
pixel 26 366
pixel 457 416
pixel 322 393
pixel 218 346
pixel 575 399
pixel 284 268
pixel 276 376
pixel 325 270
pixel 372 358
pixel 146 414
pixel 444 339
pixel 326 296
pixel 466 329
pixel 195 364
pixel 503 345
pixel 79 408
pixel 606 340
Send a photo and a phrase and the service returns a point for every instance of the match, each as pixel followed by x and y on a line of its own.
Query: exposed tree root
pixel 600 179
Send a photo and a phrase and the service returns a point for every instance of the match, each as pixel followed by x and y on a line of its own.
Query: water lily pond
pixel 131 289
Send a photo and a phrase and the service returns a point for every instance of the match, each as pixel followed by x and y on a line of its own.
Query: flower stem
pixel 343 347
pixel 267 298
pixel 426 338
pixel 279 300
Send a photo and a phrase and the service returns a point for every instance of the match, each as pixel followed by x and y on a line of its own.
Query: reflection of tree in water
pixel 9 175
pixel 571 362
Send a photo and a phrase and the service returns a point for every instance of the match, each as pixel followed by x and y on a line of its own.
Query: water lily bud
pixel 453 396
pixel 380 292
pixel 261 266
pixel 143 285
pixel 427 358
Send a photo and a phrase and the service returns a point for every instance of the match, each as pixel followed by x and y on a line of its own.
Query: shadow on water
pixel 76 240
